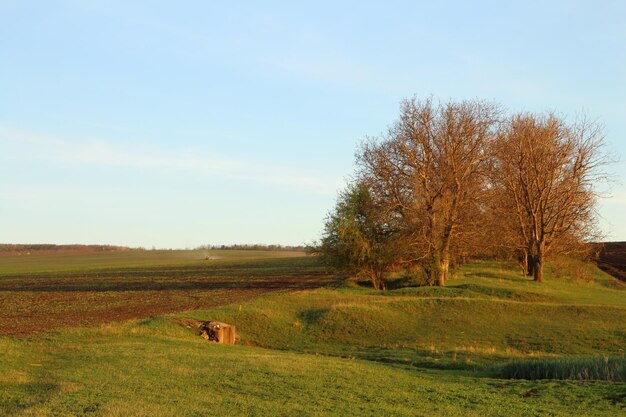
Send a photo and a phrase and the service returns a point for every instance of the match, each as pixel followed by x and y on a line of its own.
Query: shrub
pixel 606 368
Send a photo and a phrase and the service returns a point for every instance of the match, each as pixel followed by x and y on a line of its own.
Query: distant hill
pixel 612 259
pixel 27 249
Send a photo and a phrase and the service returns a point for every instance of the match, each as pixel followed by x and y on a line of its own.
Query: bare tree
pixel 429 171
pixel 546 170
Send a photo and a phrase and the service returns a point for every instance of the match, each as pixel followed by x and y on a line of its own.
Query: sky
pixel 177 124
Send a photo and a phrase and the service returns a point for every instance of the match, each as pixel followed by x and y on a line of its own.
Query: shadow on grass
pixel 481 363
pixel 392 283
pixel 18 397
pixel 425 363
pixel 493 275
pixel 504 293
pixel 312 316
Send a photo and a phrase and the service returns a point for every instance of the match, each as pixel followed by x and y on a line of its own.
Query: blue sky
pixel 178 124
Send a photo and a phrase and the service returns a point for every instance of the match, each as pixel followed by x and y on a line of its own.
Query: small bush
pixel 606 368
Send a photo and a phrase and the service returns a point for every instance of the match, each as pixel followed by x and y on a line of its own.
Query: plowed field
pixel 613 259
pixel 36 302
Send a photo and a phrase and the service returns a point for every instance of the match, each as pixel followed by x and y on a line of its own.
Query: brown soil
pixel 612 259
pixel 40 302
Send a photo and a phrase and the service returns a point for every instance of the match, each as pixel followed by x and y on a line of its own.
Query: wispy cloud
pixel 26 145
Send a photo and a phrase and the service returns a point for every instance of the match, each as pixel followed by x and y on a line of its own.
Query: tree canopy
pixel 452 180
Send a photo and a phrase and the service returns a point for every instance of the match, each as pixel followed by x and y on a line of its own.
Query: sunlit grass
pixel 156 367
pixel 340 351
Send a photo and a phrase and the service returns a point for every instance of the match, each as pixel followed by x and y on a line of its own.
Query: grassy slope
pixel 127 370
pixel 486 312
pixel 411 351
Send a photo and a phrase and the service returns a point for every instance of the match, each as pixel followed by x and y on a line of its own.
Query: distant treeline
pixel 14 249
pixel 253 247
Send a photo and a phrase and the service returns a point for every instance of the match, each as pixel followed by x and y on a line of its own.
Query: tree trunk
pixel 442 265
pixel 531 260
pixel 538 261
pixel 442 275
pixel 530 269
pixel 377 280
pixel 538 272
pixel 432 268
pixel 525 262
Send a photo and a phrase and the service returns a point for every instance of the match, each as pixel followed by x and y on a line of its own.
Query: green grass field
pixel 336 350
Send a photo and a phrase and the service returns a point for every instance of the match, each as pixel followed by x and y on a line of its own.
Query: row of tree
pixel 453 180
pixel 253 246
